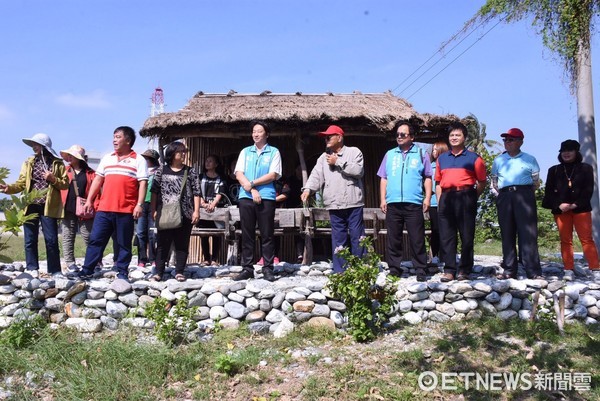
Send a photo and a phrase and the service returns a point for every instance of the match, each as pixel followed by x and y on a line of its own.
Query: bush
pixel 367 303
pixel 172 322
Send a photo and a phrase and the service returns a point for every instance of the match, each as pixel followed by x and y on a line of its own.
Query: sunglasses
pixel 510 140
pixel 403 135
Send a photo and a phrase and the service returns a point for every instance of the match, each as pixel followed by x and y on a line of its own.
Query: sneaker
pixel 275 260
pixel 244 275
pixel 122 276
pixel 141 265
pixel 57 275
pixel 83 275
pixel 261 262
pixel 73 268
pixel 268 275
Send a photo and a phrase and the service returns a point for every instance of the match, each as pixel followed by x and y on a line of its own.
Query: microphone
pixel 330 152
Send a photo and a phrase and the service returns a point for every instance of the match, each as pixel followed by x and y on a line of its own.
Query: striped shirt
pixel 121 181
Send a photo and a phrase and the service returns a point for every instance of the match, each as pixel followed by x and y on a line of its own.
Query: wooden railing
pixel 311 223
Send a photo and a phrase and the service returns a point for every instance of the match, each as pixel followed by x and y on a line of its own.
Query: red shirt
pixel 463 169
pixel 121 182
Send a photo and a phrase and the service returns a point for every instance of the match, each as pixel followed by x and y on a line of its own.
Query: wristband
pixel 251 184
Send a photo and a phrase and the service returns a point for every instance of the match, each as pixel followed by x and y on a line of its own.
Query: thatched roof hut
pixel 226 115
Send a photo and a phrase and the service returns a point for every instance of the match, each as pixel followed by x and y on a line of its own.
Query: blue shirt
pixel 404 172
pixel 255 165
pixel 517 170
pixel 433 202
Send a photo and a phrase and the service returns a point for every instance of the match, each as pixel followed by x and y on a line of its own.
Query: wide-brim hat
pixel 76 151
pixel 332 130
pixel 43 140
pixel 151 154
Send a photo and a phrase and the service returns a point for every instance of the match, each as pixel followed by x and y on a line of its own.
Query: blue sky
pixel 77 69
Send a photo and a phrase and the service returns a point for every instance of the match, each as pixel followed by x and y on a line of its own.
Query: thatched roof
pixel 230 114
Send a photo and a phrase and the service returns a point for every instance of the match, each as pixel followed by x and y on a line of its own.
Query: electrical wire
pixel 443 56
pixel 456 58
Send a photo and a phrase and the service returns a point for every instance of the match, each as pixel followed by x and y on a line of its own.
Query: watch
pixel 251 184
pixel 140 204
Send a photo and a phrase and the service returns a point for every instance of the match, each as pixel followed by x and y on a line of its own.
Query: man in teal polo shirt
pixel 405 171
pixel 515 177
pixel 257 168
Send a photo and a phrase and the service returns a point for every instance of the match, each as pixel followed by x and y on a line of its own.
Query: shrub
pixel 367 303
pixel 173 322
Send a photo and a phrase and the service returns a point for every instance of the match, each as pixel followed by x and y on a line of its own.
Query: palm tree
pixel 477 140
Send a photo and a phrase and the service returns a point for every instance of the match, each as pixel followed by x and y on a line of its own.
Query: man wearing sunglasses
pixel 515 177
pixel 405 171
pixel 338 173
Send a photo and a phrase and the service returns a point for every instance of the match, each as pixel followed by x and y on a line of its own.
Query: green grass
pixel 15 249
pixel 119 366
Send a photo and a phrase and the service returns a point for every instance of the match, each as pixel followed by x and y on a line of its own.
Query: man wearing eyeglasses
pixel 338 173
pixel 515 177
pixel 405 171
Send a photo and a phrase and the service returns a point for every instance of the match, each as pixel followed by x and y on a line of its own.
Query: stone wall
pixel 300 296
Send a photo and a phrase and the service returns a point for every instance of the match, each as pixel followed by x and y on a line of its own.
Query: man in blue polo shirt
pixel 404 172
pixel 257 168
pixel 515 177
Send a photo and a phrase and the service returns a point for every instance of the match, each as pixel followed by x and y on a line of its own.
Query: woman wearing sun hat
pixel 569 189
pixel 80 177
pixel 43 170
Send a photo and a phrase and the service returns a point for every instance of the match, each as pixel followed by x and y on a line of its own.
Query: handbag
pixel 80 206
pixel 169 215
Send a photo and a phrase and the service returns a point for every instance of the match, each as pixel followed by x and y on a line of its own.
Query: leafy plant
pixel 367 303
pixel 228 364
pixel 173 322
pixel 23 331
pixel 14 215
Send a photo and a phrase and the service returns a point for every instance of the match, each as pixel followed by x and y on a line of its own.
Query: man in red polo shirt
pixel 460 176
pixel 123 178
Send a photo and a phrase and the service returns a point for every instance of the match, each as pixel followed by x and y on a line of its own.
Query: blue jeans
pixel 346 223
pixel 105 223
pixel 146 237
pixel 31 232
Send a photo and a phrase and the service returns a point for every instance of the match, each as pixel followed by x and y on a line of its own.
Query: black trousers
pixel 263 214
pixel 180 237
pixel 434 242
pixel 398 215
pixel 517 216
pixel 456 213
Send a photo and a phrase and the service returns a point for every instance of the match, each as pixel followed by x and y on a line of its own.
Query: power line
pixel 456 58
pixel 432 56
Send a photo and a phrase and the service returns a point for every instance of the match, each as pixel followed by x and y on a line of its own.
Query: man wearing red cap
pixel 338 174
pixel 515 177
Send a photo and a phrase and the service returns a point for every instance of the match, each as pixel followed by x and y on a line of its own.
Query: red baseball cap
pixel 513 133
pixel 332 130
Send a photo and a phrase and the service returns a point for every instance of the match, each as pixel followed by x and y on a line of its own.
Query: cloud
pixel 5 113
pixel 97 99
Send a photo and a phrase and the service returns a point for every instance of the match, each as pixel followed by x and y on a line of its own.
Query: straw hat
pixel 76 151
